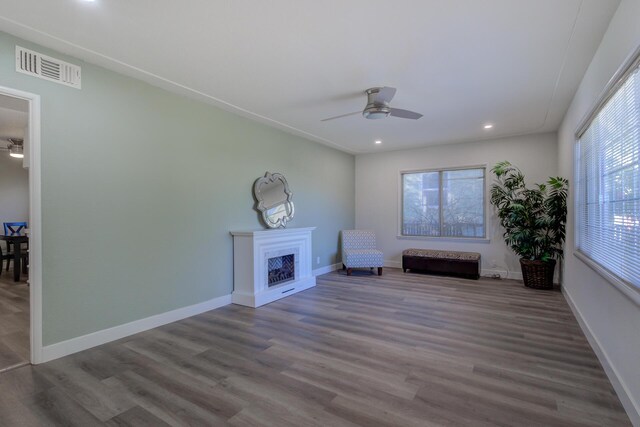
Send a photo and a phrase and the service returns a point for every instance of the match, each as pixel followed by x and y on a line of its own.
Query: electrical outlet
pixel 318 260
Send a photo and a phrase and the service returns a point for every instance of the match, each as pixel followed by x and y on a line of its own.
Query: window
pixel 608 181
pixel 443 203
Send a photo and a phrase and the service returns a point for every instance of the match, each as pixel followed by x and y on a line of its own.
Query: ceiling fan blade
pixel 404 114
pixel 385 95
pixel 342 115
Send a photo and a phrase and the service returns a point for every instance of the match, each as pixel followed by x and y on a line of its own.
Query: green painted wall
pixel 140 188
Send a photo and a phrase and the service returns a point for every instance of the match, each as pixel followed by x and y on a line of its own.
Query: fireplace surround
pixel 271 264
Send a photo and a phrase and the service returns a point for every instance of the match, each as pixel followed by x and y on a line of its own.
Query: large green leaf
pixel 534 219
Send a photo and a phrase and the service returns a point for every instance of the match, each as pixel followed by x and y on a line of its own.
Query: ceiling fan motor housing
pixel 375 110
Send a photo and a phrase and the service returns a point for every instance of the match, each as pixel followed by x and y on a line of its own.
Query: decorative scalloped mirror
pixel 274 200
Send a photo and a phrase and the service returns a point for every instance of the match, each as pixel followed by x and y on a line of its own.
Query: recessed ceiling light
pixel 488 126
pixel 378 141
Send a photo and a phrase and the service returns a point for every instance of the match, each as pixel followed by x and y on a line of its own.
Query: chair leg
pixel 379 271
pixel 349 270
pixel 344 267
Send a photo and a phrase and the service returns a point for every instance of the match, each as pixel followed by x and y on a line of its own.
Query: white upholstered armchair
pixel 359 250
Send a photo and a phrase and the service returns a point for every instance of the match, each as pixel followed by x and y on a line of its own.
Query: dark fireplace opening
pixel 281 269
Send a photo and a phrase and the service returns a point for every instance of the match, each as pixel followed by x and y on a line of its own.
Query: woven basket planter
pixel 538 274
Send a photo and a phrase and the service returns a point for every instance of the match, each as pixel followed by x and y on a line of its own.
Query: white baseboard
pixel 267 296
pixel 515 275
pixel 392 264
pixel 327 269
pixel 632 407
pixel 74 345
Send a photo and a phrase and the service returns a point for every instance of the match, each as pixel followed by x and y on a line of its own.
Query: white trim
pixel 617 80
pixel 444 169
pixel 392 263
pixel 327 269
pixel 271 231
pixel 74 345
pixel 35 220
pixel 631 407
pixel 256 300
pixel 388 263
pixel 49 41
pixel 504 274
pixel 52 42
pixel 627 290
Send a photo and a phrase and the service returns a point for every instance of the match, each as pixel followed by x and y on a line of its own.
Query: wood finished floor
pixel 396 350
pixel 14 322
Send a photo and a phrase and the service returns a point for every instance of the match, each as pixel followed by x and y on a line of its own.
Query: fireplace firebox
pixel 281 269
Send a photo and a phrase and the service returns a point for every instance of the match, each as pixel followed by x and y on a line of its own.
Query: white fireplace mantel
pixel 251 251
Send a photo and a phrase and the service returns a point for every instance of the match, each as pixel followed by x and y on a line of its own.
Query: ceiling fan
pixel 15 147
pixel 377 107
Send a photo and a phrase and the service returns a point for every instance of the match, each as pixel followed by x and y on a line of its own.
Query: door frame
pixel 35 220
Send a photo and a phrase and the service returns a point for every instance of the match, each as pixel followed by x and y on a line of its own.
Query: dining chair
pixel 9 257
pixel 12 228
pixel 4 256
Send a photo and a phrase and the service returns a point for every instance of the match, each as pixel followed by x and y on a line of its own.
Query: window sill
pixel 446 239
pixel 627 289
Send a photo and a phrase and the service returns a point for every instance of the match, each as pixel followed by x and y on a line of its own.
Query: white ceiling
pixel 291 63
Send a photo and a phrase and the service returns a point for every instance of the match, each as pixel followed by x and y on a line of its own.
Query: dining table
pixel 16 240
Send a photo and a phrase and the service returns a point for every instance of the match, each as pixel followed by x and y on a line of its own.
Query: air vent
pixel 46 67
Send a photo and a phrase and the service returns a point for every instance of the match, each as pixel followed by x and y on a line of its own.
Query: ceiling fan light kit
pixel 376 113
pixel 16 148
pixel 377 107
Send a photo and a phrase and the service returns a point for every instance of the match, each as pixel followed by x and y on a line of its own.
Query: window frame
pixel 615 83
pixel 440 170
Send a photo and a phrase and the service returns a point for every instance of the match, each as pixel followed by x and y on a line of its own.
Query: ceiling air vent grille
pixel 46 67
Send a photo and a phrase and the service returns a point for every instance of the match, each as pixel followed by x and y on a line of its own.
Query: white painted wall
pixel 610 319
pixel 14 190
pixel 378 186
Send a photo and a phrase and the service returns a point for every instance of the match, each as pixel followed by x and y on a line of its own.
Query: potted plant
pixel 534 221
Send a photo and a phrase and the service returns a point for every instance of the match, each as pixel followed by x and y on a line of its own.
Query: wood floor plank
pixel 399 349
pixel 54 407
pixel 136 417
pixel 163 403
pixel 87 390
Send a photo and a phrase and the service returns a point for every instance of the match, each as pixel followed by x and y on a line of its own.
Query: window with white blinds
pixel 608 182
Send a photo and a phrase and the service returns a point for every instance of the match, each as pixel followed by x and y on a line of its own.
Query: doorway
pixel 20 235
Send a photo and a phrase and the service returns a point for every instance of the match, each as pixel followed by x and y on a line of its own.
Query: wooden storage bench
pixel 465 264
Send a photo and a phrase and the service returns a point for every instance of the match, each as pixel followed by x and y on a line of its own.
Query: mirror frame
pixel 268 179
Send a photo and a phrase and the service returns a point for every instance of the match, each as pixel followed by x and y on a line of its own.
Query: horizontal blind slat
pixel 608 184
